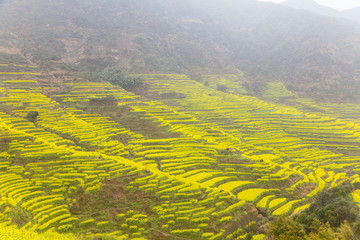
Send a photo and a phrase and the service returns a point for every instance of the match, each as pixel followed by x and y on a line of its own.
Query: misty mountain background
pixel 314 55
pixel 311 5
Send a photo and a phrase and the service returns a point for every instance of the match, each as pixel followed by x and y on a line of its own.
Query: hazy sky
pixel 338 4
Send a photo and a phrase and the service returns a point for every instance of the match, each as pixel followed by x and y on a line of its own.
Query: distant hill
pixel 352 14
pixel 314 56
pixel 312 6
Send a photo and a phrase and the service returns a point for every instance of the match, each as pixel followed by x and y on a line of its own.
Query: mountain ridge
pixel 312 6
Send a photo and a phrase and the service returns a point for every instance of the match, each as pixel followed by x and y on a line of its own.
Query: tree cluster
pixel 32 116
pixel 116 77
pixel 333 216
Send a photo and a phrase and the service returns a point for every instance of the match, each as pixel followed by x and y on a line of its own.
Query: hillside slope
pixel 314 56
pixel 178 159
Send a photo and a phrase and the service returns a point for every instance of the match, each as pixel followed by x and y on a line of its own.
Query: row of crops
pixel 226 150
pixel 45 164
pixel 284 135
pixel 303 148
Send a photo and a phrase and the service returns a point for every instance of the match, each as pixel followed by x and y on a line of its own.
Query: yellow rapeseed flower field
pixel 13 233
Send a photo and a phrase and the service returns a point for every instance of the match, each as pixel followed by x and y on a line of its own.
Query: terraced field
pixel 180 160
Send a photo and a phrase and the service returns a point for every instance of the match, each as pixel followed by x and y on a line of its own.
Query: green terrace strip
pixel 18 73
pixel 17 65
